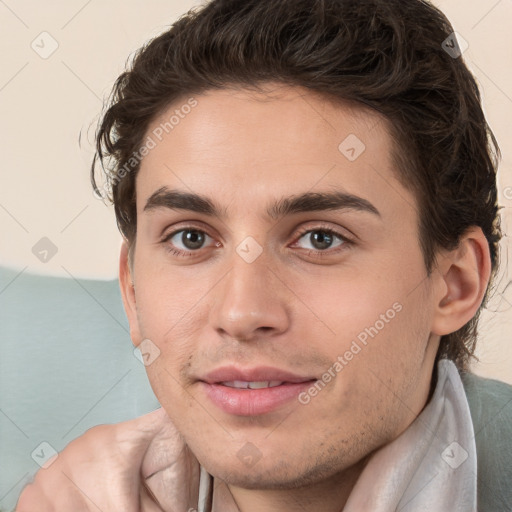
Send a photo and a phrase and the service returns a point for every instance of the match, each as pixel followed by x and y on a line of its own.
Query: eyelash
pixel 310 252
pixel 328 252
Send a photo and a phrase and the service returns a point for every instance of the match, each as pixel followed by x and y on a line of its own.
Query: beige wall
pixel 46 103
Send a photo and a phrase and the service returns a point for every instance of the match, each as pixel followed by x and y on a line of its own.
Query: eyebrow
pixel 307 202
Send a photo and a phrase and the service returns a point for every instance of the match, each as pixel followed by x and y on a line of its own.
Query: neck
pixel 329 495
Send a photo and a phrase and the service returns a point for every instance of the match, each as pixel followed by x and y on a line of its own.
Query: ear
pixel 126 282
pixel 463 277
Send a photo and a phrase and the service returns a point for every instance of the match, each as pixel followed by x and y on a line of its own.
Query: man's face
pixel 327 303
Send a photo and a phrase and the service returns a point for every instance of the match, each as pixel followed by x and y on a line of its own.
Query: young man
pixel 307 194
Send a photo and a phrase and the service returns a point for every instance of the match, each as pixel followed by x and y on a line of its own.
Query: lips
pixel 257 374
pixel 252 391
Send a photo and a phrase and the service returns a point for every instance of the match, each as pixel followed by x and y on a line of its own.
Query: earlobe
pixel 464 276
pixel 126 283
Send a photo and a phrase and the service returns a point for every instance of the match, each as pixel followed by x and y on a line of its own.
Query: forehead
pixel 284 141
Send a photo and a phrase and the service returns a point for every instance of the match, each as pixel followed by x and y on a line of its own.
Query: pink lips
pixel 252 391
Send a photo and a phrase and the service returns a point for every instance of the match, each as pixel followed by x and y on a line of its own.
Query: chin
pixel 268 475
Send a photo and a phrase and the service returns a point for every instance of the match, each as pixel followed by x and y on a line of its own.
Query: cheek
pixel 166 301
pixel 166 320
pixel 380 330
pixel 352 302
pixel 388 370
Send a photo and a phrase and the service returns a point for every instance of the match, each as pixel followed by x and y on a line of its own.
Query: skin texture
pixel 296 307
pixel 292 308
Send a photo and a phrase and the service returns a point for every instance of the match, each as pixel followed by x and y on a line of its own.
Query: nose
pixel 251 303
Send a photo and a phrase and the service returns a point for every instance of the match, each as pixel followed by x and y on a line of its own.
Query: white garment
pixel 430 467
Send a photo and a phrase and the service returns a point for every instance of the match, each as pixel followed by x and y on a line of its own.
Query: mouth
pixel 253 391
pixel 240 384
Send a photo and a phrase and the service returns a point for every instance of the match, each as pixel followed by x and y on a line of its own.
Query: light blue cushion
pixel 66 364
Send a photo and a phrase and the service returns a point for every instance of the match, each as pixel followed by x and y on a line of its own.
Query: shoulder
pixel 490 403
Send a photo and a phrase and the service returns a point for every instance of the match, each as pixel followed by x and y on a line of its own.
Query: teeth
pixel 240 384
pixel 267 384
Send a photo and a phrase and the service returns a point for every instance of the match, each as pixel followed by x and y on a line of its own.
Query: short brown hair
pixel 392 56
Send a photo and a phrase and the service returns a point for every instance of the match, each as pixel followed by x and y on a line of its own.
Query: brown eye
pixel 192 239
pixel 188 239
pixel 321 240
